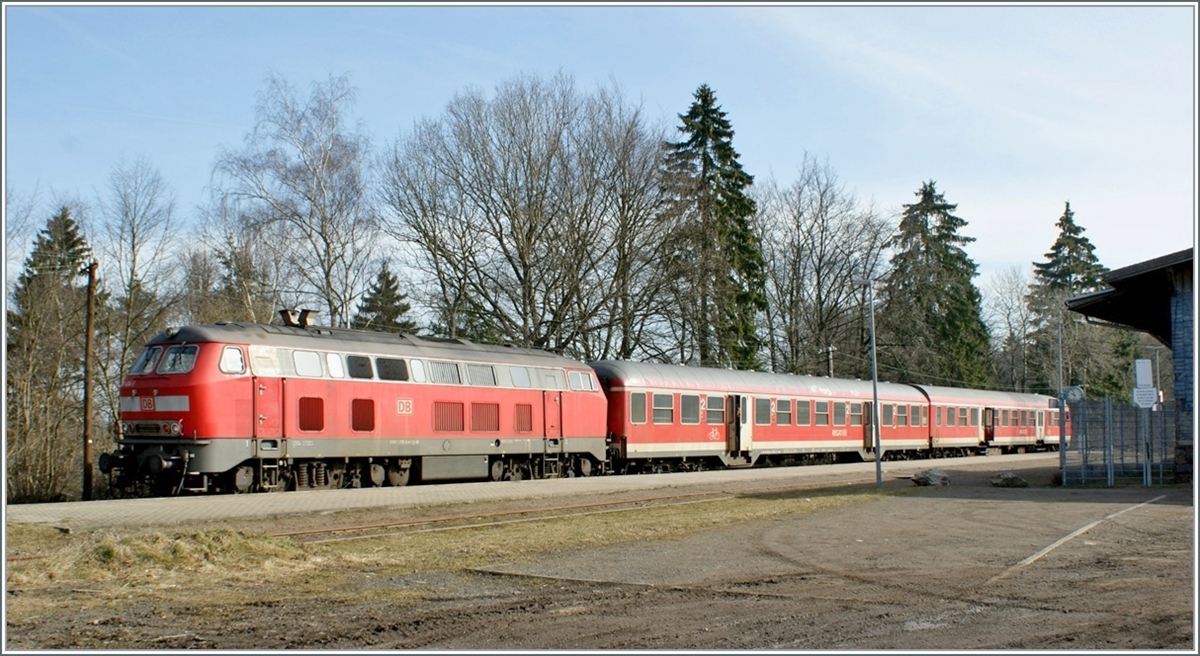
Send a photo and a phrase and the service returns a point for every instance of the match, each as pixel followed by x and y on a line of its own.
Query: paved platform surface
pixel 186 510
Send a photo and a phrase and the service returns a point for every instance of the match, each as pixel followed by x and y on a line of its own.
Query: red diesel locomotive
pixel 240 407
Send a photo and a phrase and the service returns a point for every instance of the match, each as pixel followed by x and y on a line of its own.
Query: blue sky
pixel 1012 110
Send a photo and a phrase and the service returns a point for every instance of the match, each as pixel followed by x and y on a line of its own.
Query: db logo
pixel 148 404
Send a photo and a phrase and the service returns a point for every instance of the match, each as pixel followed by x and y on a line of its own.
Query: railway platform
pixel 86 515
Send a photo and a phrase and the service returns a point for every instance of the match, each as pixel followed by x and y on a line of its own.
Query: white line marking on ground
pixel 1063 540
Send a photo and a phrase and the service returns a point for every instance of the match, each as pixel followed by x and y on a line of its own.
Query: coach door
pixel 552 401
pixel 738 430
pixel 989 424
pixel 268 407
pixel 867 422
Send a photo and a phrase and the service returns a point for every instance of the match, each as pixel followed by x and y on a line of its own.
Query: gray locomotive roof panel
pixel 360 341
pixel 675 376
pixel 953 395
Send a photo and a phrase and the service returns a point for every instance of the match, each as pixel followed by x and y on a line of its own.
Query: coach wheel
pixel 497 470
pixel 243 479
pixel 397 476
pixel 585 466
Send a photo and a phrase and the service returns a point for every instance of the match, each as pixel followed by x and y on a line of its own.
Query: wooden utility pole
pixel 87 382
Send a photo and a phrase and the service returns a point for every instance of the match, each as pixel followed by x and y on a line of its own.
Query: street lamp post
pixel 869 284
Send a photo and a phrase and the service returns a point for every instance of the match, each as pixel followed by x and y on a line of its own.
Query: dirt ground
pixel 954 567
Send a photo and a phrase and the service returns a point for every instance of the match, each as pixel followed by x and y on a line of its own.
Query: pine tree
pixel 931 323
pixel 717 256
pixel 44 365
pixel 383 307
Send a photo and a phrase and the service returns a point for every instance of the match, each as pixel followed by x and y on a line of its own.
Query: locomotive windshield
pixel 145 361
pixel 179 359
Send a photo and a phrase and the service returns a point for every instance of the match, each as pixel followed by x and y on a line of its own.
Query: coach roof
pixel 359 341
pixel 645 375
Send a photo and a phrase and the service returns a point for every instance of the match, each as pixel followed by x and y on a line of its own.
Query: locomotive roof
pixel 633 374
pixel 361 341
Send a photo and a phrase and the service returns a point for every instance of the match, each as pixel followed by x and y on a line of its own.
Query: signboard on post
pixel 1145 397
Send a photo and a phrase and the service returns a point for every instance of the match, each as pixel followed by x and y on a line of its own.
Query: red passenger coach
pixel 241 407
pixel 666 417
pixel 971 419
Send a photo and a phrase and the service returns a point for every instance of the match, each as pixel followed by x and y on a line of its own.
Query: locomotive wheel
pixel 516 472
pixel 585 467
pixel 376 475
pixel 397 476
pixel 243 479
pixel 497 470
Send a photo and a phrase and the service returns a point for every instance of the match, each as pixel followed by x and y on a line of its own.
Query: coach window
pixel 482 374
pixel 637 407
pixel 803 408
pixel 822 413
pixel 762 412
pixel 1041 419
pixel 924 415
pixel 520 376
pixel 179 359
pixel 783 412
pixel 951 413
pixel 308 363
pixel 145 361
pixel 839 413
pixel 334 362
pixel 715 409
pixel 962 416
pixel 359 366
pixel 444 372
pixel 1004 417
pixel 689 409
pixel 232 361
pixel 856 414
pixel 664 409
pixel 888 410
pixel 391 369
pixel 901 415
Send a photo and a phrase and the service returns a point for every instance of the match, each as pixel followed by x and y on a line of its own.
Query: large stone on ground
pixel 931 477
pixel 1008 479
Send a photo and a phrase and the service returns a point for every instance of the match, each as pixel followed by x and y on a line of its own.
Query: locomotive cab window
pixel 179 359
pixel 145 362
pixel 583 381
pixel 232 361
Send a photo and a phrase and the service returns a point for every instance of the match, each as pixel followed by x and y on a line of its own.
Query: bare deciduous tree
pixel 1011 320
pixel 304 168
pixel 818 239
pixel 528 212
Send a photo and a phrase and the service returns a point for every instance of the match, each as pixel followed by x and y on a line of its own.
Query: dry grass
pixel 214 569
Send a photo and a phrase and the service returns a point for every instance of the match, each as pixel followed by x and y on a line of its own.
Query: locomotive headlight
pixel 125 428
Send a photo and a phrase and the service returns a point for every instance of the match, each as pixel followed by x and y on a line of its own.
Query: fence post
pixel 1108 440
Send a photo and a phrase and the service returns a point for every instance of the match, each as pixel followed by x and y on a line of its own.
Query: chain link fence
pixel 1118 443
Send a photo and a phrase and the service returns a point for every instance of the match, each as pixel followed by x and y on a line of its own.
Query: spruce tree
pixel 44 365
pixel 1094 357
pixel 931 323
pixel 717 256
pixel 383 307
